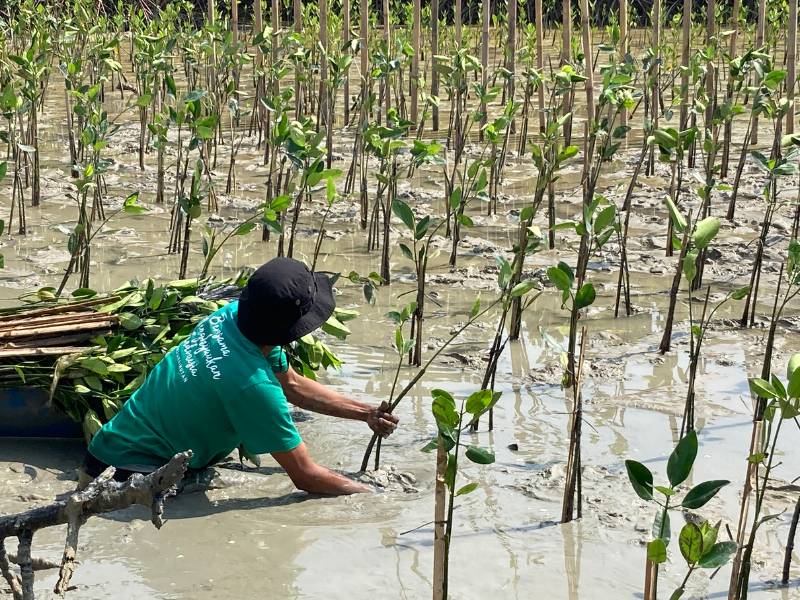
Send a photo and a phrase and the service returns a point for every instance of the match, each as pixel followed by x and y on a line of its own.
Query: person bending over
pixel 228 383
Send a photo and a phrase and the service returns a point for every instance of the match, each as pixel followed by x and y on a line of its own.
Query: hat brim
pixel 321 311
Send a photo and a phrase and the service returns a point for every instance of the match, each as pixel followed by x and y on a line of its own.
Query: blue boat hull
pixel 24 412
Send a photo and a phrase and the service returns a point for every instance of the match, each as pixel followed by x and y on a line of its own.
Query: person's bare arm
pixel 313 478
pixel 312 395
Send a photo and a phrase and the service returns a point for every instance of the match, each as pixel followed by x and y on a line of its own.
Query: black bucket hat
pixel 283 301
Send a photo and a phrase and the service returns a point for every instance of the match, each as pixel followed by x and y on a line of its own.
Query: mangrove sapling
pixel 778 165
pixel 756 65
pixel 422 234
pixel 451 422
pixel 572 504
pixel 267 215
pixel 781 403
pixel 786 291
pixel 331 197
pixel 549 156
pixel 385 143
pixel 699 328
pixel 698 544
pixel 576 295
pixel 507 295
pixel 475 314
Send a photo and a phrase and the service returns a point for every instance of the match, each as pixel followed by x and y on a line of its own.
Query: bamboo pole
pixel 415 43
pixel 566 31
pixel 685 52
pixel 728 133
pixel 297 16
pixel 540 58
pixel 387 36
pixel 439 544
pixel 434 50
pixel 762 13
pixel 364 10
pixel 623 42
pixel 346 40
pixel 586 32
pixel 486 17
pixel 512 48
pixel 457 22
pixel 791 53
pixel 711 26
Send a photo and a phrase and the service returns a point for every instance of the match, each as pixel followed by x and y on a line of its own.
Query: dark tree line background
pixel 603 11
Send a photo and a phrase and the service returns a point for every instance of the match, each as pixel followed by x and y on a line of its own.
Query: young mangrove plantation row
pixel 564 238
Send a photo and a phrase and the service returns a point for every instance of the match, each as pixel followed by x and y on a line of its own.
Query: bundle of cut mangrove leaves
pixel 92 351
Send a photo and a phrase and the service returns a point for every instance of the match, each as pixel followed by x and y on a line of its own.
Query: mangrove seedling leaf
pixel 700 494
pixel 718 555
pixel 709 533
pixel 130 321
pixel 522 288
pixel 467 489
pixel 558 278
pixel 245 228
pixel 479 455
pixel 678 221
pixel 95 365
pixel 430 446
pixel 793 389
pixel 794 362
pixel 605 218
pixel 762 388
pixel 662 530
pixel 681 460
pixel 741 293
pixel 690 265
pixel 641 479
pixel 403 212
pixel 690 541
pixel 664 490
pixel 705 231
pixel 406 251
pixel 444 411
pixel 585 296
pixel 476 308
pixel 479 401
pixel 657 551
pixel 450 473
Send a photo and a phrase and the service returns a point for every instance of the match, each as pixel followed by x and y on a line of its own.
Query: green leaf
pixel 403 212
pixel 3 170
pixel 690 542
pixel 479 401
pixel 690 265
pixel 700 494
pixel 245 228
pixel 522 288
pixel 605 218
pixel 558 278
pixel 791 367
pixel 793 389
pixel 476 308
pixel 585 296
pixel 718 555
pixel 450 472
pixel 130 321
pixel 681 460
pixel 705 231
pixel 741 293
pixel 678 221
pixel 444 410
pixel 641 479
pixel 95 365
pixel 761 388
pixel 335 328
pixel 657 551
pixel 467 489
pixel 662 530
pixel 479 455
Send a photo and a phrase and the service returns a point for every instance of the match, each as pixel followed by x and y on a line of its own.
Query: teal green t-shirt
pixel 212 392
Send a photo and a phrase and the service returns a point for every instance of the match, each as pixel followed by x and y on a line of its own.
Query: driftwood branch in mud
pixel 100 496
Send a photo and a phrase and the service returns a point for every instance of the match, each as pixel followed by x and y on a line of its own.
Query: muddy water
pixel 258 538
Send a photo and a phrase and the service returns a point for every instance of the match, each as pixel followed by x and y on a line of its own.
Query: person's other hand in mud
pixel 228 383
